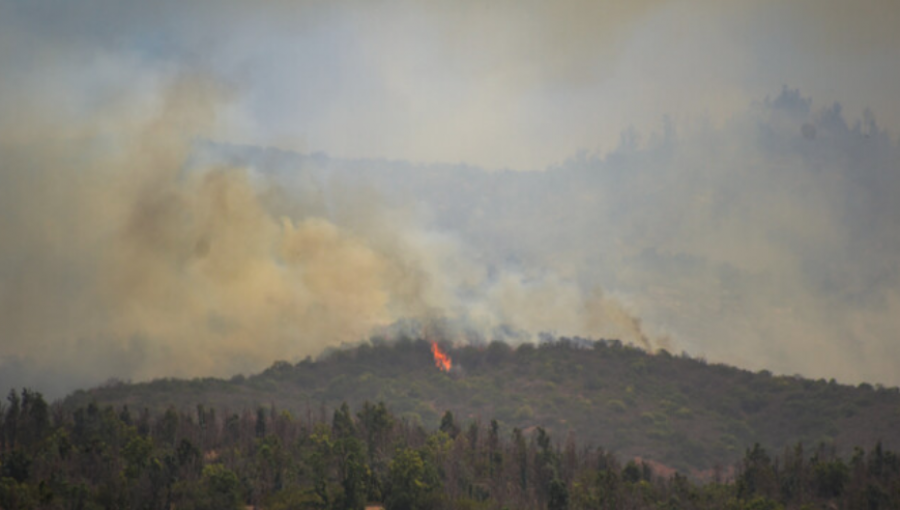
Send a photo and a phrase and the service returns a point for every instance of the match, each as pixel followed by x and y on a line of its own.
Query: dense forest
pixel 679 411
pixel 108 457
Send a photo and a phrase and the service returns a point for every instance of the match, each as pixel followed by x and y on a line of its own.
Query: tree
pixel 342 422
pixel 495 456
pixel 260 422
pixel 125 415
pixel 137 455
pixel 830 478
pixel 319 461
pixel 448 425
pixel 559 495
pixel 631 473
pixel 15 495
pixel 352 470
pixel 376 422
pixel 35 419
pixel 167 427
pixel 16 465
pixel 11 421
pixel 414 484
pixel 520 456
pixel 757 476
pixel 222 488
pixel 353 474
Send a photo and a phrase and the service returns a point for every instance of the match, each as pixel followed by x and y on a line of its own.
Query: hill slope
pixel 676 410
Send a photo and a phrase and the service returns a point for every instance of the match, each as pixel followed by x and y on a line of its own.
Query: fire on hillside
pixel 441 359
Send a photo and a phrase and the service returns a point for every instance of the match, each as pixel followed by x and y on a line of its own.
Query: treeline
pixel 108 457
pixel 678 410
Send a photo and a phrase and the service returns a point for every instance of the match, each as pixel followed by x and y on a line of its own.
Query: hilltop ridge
pixel 674 409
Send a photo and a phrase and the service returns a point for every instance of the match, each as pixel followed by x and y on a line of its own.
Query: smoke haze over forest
pixel 201 190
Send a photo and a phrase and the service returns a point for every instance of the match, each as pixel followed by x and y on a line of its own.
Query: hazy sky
pixel 113 255
pixel 495 84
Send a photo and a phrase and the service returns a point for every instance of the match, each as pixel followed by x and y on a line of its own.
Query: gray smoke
pixel 753 243
pixel 757 233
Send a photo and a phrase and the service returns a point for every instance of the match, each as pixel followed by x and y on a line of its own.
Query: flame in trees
pixel 441 359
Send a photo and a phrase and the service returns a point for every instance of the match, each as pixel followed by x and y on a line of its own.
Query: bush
pixel 524 413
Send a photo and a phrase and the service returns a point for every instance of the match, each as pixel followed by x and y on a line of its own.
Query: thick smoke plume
pixel 127 253
pixel 164 209
pixel 769 241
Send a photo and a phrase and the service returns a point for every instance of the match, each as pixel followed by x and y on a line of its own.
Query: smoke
pixel 769 242
pixel 497 85
pixel 128 252
pixel 141 236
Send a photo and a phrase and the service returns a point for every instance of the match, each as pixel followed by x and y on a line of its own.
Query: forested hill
pixel 676 410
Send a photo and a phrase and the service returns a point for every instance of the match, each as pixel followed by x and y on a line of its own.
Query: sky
pixel 493 84
pixel 125 254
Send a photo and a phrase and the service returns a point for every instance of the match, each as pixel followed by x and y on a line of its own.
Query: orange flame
pixel 441 359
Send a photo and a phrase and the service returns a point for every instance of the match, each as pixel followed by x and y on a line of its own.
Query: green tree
pixel 413 484
pixel 830 478
pixel 260 422
pixel 757 476
pixel 16 465
pixel 222 488
pixel 558 495
pixel 546 464
pixel 137 455
pixel 376 422
pixel 520 457
pixel 448 425
pixel 342 422
pixel 353 473
pixel 319 461
pixel 15 495
pixel 632 472
pixel 168 427
pixel 35 420
pixel 11 420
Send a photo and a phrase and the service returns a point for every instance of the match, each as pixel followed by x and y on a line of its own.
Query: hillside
pixel 680 411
